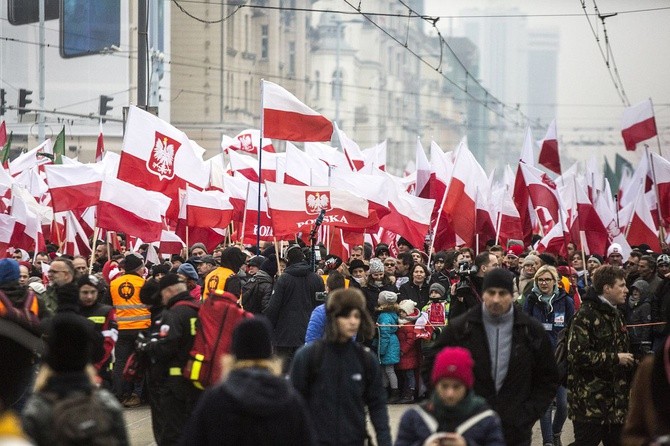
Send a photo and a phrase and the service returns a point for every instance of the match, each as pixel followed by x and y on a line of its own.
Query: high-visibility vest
pixel 131 313
pixel 325 279
pixel 216 281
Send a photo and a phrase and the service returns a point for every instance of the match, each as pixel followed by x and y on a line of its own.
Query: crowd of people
pixel 244 346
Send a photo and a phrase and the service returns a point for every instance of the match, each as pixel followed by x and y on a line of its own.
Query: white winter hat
pixel 408 306
pixel 387 297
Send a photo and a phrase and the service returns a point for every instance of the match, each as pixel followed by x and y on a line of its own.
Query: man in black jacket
pixel 515 370
pixel 170 350
pixel 291 304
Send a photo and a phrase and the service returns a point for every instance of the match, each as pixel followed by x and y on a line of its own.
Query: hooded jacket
pixel 599 386
pixel 639 313
pixel 252 407
pixel 255 291
pixel 291 304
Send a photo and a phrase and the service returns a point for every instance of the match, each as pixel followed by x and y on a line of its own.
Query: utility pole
pixel 142 53
pixel 338 80
pixel 40 116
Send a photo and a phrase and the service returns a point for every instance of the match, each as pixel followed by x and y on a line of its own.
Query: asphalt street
pixel 138 422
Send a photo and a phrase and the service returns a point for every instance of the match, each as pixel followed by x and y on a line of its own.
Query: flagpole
pixel 188 246
pixel 658 139
pixel 109 251
pixel 96 230
pixel 260 177
pixel 658 208
pixel 244 218
pixel 499 220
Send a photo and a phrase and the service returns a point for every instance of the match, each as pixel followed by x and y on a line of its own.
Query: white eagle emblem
pixel 246 143
pixel 316 201
pixel 161 160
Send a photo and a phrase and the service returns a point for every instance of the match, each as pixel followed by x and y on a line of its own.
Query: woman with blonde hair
pixel 550 304
pixel 254 405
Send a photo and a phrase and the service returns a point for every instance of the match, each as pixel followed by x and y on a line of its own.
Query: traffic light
pixel 3 102
pixel 24 101
pixel 104 107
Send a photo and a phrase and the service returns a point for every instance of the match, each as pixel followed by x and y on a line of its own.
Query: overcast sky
pixel 640 43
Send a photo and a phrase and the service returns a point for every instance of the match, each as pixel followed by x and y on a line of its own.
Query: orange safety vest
pixel 216 281
pixel 325 279
pixel 131 313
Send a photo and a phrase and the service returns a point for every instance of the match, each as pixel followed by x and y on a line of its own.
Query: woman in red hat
pixel 454 415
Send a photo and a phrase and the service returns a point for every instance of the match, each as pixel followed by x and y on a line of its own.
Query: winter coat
pixel 414 428
pixel 640 313
pixel 291 304
pixel 659 308
pixel 411 291
pixel 371 292
pixel 338 392
pixel 251 407
pixel 598 386
pixel 388 347
pixel 410 346
pixel 643 422
pixel 38 413
pixel 317 324
pixel 554 315
pixel 257 288
pixel 532 376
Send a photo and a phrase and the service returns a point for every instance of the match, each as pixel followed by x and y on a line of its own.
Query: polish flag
pixel 662 169
pixel 208 209
pixel 246 141
pixel 250 228
pixel 542 191
pixel 508 220
pixel 156 156
pixel 409 215
pixel 589 222
pixel 211 237
pixel 3 134
pixel 73 187
pixel 127 208
pixel 100 147
pixel 520 194
pixel 6 182
pixel 423 171
pixel 295 208
pixel 555 241
pixel 285 117
pixel 170 243
pixel 39 156
pixel 638 124
pixel 371 187
pixel 610 220
pixel 352 151
pixel 76 241
pixel 247 166
pixel 441 170
pixel 549 157
pixel 7 224
pixel 303 169
pixel 329 155
pixel 376 156
pixel 27 232
pixel 236 188
pixel 640 178
pixel 642 228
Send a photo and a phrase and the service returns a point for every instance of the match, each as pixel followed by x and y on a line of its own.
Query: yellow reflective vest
pixel 131 313
pixel 216 281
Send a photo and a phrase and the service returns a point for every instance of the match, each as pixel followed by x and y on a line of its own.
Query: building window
pixel 246 33
pixel 291 58
pixel 265 41
pixel 317 77
pixel 337 85
pixel 246 96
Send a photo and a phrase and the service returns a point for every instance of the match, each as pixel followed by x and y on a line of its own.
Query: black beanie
pixel 252 339
pixel 133 262
pixel 161 268
pixel 67 297
pixel 270 265
pixel 169 280
pixel 294 254
pixel 233 258
pixel 150 292
pixel 68 343
pixel 499 278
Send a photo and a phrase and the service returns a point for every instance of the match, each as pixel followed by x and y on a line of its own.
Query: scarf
pixel 450 417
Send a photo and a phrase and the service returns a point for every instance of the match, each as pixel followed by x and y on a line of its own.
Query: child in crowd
pixel 410 349
pixel 388 348
pixel 435 314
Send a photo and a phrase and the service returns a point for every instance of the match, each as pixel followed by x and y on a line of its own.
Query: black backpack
pixel 82 419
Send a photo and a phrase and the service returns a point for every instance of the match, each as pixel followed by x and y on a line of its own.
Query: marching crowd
pixel 299 346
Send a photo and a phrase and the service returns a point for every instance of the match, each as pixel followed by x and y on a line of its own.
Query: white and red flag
pixel 555 241
pixel 303 169
pixel 638 124
pixel 373 188
pixel 542 192
pixel 295 208
pixel 171 243
pixel 40 155
pixel 549 157
pixel 247 141
pixel 508 221
pixel 73 186
pixel 423 172
pixel 76 241
pixel 7 223
pixel 589 222
pixel 351 150
pixel 642 228
pixel 159 157
pixel 208 209
pixel 285 117
pixel 376 156
pixel 251 231
pixel 247 166
pixel 520 192
pixel 662 170
pixel 131 209
pixel 27 232
pixel 329 155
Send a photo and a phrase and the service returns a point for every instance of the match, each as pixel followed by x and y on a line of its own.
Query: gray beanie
pixel 437 287
pixel 387 297
pixel 376 266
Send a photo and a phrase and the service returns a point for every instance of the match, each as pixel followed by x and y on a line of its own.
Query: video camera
pixel 320 296
pixel 464 272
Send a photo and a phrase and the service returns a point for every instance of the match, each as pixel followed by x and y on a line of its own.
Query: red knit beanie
pixel 454 362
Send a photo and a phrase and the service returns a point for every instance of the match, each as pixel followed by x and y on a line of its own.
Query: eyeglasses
pixel 389 264
pixel 544 280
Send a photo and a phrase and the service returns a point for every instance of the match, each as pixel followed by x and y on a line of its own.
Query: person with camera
pixel 466 293
pixel 316 327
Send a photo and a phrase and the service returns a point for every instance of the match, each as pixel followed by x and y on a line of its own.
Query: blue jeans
pixel 548 427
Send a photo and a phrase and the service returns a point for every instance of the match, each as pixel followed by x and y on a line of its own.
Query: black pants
pixel 177 399
pixel 591 434
pixel 286 354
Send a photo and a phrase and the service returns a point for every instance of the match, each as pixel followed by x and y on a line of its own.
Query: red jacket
pixel 410 346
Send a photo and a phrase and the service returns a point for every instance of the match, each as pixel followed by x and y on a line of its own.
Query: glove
pixel 141 342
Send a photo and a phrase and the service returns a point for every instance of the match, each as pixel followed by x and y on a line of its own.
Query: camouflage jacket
pixel 598 386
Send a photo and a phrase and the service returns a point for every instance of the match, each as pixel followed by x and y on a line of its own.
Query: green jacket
pixel 598 386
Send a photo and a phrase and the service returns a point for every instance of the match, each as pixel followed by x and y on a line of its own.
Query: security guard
pixel 232 259
pixel 132 317
pixel 169 350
